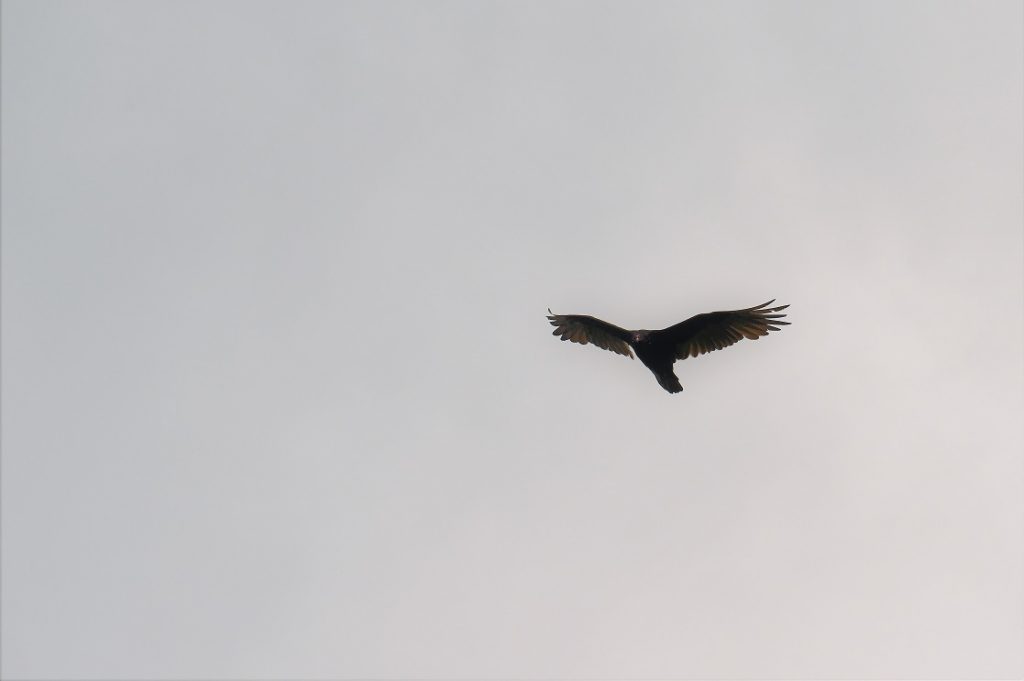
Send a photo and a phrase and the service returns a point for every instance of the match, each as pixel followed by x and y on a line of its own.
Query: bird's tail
pixel 669 382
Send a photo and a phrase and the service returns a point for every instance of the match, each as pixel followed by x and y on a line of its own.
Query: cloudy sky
pixel 279 398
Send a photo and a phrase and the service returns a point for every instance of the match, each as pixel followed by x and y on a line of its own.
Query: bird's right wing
pixel 584 329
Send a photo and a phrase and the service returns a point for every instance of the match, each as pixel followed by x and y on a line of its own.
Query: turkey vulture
pixel 659 350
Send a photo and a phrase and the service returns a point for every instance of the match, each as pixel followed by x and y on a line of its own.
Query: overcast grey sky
pixel 279 397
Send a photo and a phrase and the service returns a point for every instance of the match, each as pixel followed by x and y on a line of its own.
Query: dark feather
pixel 584 329
pixel 716 330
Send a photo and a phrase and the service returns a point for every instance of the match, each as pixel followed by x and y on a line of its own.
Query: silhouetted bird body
pixel 658 350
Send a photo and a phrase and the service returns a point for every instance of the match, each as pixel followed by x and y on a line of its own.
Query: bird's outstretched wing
pixel 717 330
pixel 584 329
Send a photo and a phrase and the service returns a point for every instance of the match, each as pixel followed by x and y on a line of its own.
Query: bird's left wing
pixel 717 330
pixel 584 329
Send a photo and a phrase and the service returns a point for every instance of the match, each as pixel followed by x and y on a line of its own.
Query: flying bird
pixel 659 350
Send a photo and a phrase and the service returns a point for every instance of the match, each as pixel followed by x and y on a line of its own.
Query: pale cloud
pixel 280 400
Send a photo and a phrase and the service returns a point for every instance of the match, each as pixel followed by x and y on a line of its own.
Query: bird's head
pixel 640 337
